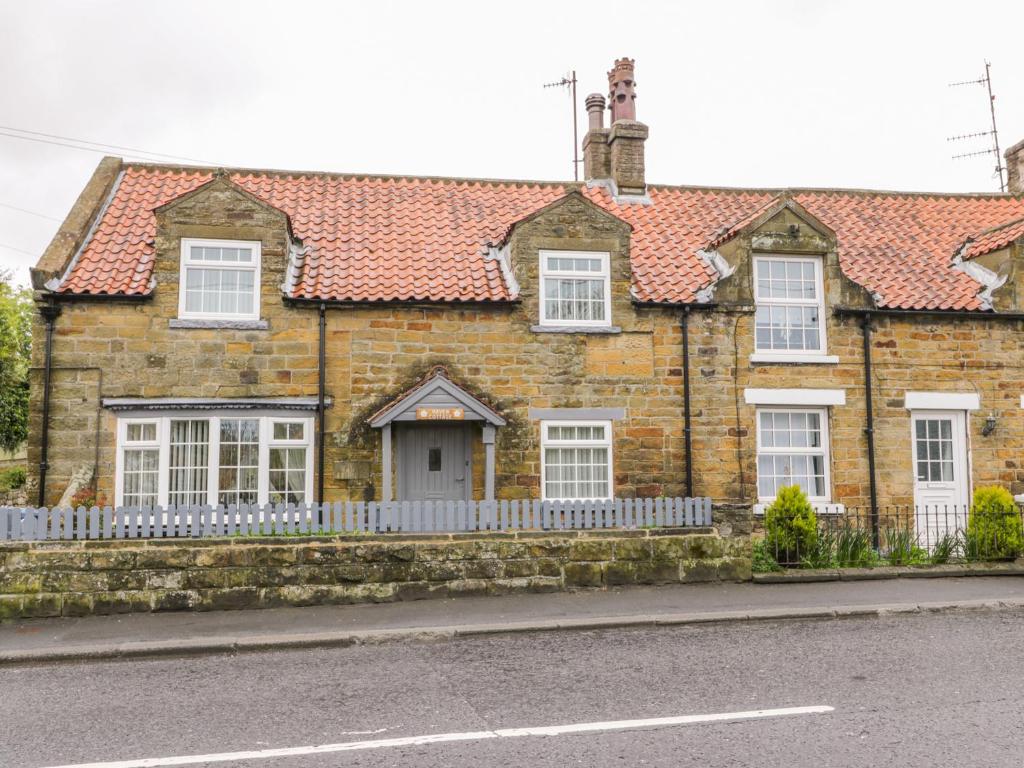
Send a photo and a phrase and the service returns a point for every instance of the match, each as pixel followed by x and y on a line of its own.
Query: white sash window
pixel 789 294
pixel 792 449
pixel 220 280
pixel 575 289
pixel 576 459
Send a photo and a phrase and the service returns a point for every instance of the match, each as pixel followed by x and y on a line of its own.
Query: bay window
pixel 230 459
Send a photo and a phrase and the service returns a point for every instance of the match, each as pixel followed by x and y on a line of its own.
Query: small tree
pixel 791 527
pixel 994 525
pixel 15 352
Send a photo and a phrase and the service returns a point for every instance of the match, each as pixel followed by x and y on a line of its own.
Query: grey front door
pixel 433 462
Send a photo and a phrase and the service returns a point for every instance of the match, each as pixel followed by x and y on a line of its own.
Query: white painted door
pixel 941 484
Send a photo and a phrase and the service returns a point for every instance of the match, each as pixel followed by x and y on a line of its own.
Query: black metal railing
pixel 897 535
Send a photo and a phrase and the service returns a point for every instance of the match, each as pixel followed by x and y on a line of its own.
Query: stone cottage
pixel 223 336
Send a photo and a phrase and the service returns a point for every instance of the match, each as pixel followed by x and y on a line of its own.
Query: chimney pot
pixel 621 90
pixel 595 111
pixel 596 153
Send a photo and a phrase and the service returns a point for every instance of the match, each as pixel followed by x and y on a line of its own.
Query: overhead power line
pixel 19 250
pixel 96 146
pixel 31 213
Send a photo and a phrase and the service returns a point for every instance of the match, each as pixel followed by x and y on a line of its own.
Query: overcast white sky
pixel 847 93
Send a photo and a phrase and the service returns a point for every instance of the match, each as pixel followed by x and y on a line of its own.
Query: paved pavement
pixel 913 690
pixel 338 625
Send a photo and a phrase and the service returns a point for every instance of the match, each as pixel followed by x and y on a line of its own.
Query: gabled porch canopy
pixel 436 398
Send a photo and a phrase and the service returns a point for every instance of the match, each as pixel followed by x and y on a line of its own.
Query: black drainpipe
pixel 688 448
pixel 869 429
pixel 320 405
pixel 49 313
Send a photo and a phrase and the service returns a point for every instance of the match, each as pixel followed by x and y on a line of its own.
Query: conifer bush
pixel 791 526
pixel 994 525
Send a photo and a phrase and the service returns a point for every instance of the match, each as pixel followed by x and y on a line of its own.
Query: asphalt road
pixel 914 690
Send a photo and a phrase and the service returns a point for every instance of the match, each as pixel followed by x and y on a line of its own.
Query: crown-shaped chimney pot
pixel 621 90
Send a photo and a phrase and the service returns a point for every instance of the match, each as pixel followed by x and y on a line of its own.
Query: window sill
pixel 820 508
pixel 236 325
pixel 575 329
pixel 766 357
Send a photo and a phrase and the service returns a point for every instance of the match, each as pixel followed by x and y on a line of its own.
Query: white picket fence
pixel 40 524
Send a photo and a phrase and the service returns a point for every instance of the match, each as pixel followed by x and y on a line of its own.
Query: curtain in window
pixel 188 468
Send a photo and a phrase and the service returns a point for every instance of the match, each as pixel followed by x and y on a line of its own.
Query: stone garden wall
pixel 39 579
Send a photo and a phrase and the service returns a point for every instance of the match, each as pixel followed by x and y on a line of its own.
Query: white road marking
pixel 438 738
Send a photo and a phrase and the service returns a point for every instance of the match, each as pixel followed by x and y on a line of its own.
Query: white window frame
pixel 124 445
pixel 163 422
pixel 819 502
pixel 793 355
pixel 545 443
pixel 186 262
pixel 604 274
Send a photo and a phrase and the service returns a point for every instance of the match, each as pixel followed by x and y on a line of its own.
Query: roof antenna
pixel 994 133
pixel 569 81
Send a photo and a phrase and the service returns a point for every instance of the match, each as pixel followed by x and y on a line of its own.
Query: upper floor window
pixel 790 297
pixel 220 280
pixel 575 288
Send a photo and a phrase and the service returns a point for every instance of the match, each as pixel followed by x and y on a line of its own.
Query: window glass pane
pixel 790 452
pixel 188 462
pixel 141 477
pixel 288 430
pixel 141 432
pixel 287 475
pixel 239 461
pixel 795 324
pixel 216 254
pixel 567 298
pixel 219 291
pixel 577 472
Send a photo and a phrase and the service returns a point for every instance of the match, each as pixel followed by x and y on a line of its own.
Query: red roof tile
pixel 385 238
pixel 993 239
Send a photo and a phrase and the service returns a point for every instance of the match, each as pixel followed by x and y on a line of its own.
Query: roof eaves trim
pixel 210 403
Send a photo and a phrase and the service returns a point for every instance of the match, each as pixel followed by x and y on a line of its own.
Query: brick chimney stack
pixel 597 156
pixel 616 153
pixel 627 136
pixel 1015 168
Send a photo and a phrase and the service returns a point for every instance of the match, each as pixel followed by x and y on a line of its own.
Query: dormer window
pixel 220 280
pixel 790 297
pixel 575 289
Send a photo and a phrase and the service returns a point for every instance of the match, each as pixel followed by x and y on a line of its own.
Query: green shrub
pixel 994 525
pixel 791 527
pixel 14 477
pixel 763 560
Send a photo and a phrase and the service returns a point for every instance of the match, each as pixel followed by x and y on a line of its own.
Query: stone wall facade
pixel 98 577
pixel 108 347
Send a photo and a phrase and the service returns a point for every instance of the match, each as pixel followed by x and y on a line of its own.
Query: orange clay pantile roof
pixel 993 239
pixel 419 239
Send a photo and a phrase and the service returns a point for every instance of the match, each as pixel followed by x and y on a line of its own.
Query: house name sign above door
pixel 440 414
